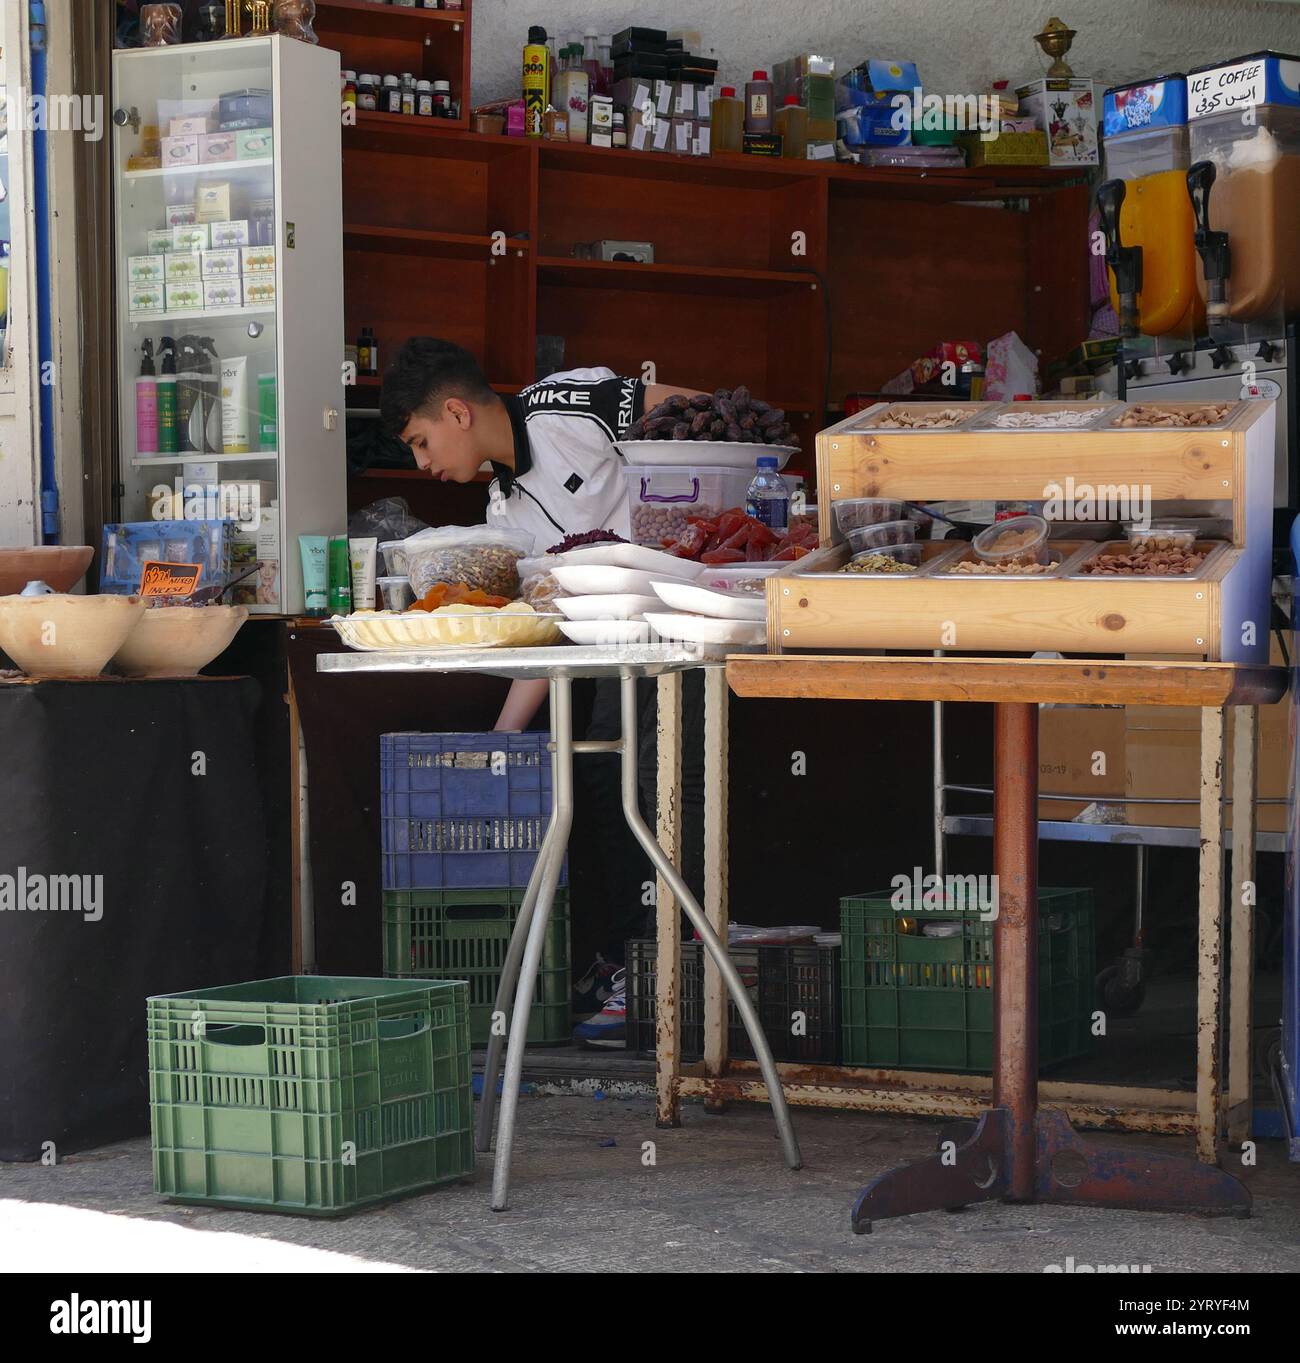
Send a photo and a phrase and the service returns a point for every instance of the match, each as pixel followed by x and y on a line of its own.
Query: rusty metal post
pixel 1015 939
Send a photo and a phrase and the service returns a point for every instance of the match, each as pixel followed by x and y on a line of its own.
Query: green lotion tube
pixel 315 573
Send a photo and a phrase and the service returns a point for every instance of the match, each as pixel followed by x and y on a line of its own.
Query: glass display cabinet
pixel 229 257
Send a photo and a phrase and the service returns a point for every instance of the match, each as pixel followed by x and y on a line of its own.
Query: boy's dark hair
pixel 425 373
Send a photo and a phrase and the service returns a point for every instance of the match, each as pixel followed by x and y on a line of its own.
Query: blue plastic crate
pixel 453 818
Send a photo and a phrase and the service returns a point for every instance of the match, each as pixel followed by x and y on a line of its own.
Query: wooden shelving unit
pixel 802 280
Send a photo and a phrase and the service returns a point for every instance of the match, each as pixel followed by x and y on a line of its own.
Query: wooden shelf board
pixel 659 278
pixel 413 241
pixel 403 134
pixel 361 16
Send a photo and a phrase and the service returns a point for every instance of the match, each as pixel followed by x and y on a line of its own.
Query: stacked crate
pixel 910 1000
pixel 464 816
pixel 794 989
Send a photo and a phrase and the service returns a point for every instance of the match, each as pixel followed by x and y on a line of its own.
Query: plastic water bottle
pixel 768 498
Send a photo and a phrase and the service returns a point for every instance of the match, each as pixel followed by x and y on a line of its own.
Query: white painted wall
pixel 959 45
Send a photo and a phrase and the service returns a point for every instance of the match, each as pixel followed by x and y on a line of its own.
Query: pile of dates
pixel 727 414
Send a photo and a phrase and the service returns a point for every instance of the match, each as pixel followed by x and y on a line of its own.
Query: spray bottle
pixel 146 404
pixel 537 81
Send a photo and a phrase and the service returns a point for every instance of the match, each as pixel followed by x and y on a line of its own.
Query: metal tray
pixel 1214 550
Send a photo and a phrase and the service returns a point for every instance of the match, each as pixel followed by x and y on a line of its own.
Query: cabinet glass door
pixel 197 314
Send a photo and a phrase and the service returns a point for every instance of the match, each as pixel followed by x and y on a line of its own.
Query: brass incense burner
pixel 1055 41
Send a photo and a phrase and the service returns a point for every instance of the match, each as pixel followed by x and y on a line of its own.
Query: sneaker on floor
pixel 608 1028
pixel 591 991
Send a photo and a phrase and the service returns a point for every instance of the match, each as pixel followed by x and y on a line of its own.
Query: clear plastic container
pixel 397 593
pixel 855 512
pixel 661 498
pixel 1163 535
pixel 395 560
pixel 1253 199
pixel 881 535
pixel 1022 538
pixel 1150 153
pixel 907 556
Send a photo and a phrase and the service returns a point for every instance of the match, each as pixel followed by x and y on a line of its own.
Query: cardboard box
pixel 223 293
pixel 180 151
pixel 257 259
pixel 216 147
pixel 254 144
pixel 195 125
pixel 145 269
pixel 214 201
pixel 1067 112
pixel 1164 762
pixel 184 267
pixel 1081 752
pixel 226 263
pixel 194 237
pixel 228 234
pixel 682 136
pixel 159 241
pixel 259 289
pixel 185 297
pixel 146 298
pixel 180 215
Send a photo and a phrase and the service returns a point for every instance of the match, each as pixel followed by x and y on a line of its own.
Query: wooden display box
pixel 1219 614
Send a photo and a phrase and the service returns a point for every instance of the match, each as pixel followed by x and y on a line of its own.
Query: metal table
pixel 561 667
pixel 1018 1151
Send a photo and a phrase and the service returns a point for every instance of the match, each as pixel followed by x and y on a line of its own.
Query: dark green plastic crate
pixel 308 1093
pixel 914 1002
pixel 464 935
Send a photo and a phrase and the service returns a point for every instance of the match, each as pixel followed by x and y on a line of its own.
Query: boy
pixel 557 474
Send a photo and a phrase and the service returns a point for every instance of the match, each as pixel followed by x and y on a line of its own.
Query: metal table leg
pixel 713 945
pixel 549 867
pixel 1241 979
pixel 668 935
pixel 510 968
pixel 1017 1153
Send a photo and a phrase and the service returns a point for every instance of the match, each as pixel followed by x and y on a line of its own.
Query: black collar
pixel 523 451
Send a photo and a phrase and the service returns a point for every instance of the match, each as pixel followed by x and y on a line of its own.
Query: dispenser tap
pixel 1125 261
pixel 1214 247
pixel 1268 352
pixel 1178 362
pixel 1221 356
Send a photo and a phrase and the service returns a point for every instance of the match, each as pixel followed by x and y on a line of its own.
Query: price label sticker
pixel 170 579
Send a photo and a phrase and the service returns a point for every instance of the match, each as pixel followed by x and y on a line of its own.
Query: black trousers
pixel 625 905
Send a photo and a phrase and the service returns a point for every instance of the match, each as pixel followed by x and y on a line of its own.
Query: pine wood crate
pixel 1220 614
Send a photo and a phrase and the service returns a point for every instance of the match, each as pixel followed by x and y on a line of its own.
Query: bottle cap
pixel 792 101
pixel 536 34
pixel 390 80
pixel 441 85
pixel 767 461
pixel 728 92
pixel 759 75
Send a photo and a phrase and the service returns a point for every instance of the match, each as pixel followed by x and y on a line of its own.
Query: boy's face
pixel 443 441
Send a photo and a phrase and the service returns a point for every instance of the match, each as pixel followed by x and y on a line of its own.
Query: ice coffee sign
pixel 1243 85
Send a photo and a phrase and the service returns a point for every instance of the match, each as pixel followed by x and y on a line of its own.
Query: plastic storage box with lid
pixel 463 811
pixel 1245 182
pixel 662 498
pixel 309 1094
pixel 1146 211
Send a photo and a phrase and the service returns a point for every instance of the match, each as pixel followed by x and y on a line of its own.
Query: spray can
pixel 537 81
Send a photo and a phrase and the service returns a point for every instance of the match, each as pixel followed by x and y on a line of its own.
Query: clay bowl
pixel 66 636
pixel 175 641
pixel 60 566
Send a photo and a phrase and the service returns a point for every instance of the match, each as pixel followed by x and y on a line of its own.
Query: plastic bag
pixel 389 519
pixel 476 555
pixel 1011 368
pixel 540 591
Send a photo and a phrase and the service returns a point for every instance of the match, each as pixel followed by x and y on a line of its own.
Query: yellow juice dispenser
pixel 1244 186
pixel 1146 217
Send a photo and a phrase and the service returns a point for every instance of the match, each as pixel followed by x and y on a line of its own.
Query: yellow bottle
pixel 537 82
pixel 792 124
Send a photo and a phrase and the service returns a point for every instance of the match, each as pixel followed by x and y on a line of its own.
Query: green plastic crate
pixel 914 1002
pixel 464 935
pixel 309 1094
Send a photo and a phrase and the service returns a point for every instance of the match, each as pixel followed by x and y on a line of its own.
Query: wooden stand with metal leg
pixel 1017 1151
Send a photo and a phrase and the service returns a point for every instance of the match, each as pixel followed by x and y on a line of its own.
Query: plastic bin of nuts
pixel 477 555
pixel 661 498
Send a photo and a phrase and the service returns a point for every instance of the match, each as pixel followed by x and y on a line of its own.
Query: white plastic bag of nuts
pixel 472 554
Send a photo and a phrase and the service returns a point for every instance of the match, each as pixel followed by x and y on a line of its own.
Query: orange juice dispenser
pixel 1146 217
pixel 1244 186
